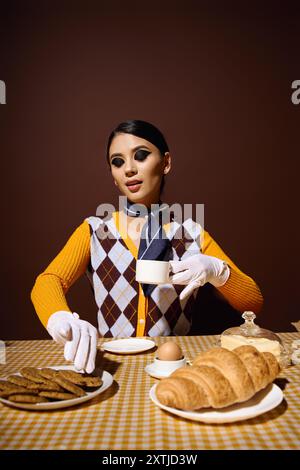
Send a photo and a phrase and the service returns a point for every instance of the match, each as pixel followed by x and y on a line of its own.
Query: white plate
pixel 54 405
pixel 154 372
pixel 263 401
pixel 128 345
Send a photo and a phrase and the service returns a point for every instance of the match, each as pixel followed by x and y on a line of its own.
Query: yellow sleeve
pixel 48 293
pixel 240 290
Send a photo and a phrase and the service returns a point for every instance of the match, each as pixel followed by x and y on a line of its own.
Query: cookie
pixel 31 373
pixel 69 386
pixel 27 399
pixel 80 379
pixel 15 390
pixel 50 385
pixel 48 373
pixel 5 385
pixel 91 381
pixel 71 376
pixel 18 380
pixel 58 395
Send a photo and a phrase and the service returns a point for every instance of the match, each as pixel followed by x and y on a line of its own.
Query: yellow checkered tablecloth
pixel 124 417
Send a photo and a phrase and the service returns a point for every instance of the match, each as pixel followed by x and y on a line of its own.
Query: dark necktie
pixel 154 244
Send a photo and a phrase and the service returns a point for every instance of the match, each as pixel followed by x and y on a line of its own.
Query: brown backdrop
pixel 215 79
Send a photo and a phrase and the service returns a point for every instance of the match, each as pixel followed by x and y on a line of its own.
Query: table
pixel 124 417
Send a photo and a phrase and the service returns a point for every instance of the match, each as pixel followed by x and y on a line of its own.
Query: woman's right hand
pixel 78 336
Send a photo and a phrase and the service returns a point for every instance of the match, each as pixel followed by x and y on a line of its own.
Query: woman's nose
pixel 130 168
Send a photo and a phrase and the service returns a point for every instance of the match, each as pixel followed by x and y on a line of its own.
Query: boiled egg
pixel 169 351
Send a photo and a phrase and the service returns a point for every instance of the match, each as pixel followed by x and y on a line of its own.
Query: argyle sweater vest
pixel 111 272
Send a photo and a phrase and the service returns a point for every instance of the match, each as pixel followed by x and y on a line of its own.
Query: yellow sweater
pixel 48 293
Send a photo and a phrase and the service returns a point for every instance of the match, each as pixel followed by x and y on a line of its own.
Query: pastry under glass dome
pixel 251 334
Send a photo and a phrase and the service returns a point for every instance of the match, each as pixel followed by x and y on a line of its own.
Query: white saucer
pixel 155 372
pixel 128 345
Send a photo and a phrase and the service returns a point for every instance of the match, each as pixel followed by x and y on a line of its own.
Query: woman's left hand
pixel 197 270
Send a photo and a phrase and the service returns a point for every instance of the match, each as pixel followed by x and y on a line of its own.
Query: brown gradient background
pixel 215 77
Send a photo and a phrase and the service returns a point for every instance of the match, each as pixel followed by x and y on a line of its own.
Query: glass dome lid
pixel 251 334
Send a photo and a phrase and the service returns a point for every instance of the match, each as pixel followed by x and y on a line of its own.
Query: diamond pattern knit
pixel 111 272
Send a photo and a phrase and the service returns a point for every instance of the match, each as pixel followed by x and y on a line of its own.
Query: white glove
pixel 197 270
pixel 78 336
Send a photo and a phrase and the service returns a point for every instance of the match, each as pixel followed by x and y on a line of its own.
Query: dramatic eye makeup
pixel 117 161
pixel 141 154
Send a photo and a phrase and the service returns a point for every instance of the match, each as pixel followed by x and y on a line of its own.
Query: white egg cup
pixel 161 369
pixel 167 367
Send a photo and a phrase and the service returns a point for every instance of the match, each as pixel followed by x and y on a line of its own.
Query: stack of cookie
pixel 43 385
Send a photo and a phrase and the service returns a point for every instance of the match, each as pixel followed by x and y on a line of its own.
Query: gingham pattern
pixel 112 275
pixel 124 417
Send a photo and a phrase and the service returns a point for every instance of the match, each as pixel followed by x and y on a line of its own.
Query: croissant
pixel 218 378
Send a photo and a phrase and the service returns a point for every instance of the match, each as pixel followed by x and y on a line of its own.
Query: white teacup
pixel 152 271
pixel 167 367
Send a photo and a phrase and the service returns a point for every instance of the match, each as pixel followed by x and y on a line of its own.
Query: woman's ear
pixel 167 162
pixel 116 183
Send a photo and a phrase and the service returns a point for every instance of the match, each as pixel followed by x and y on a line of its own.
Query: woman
pixel 139 160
